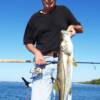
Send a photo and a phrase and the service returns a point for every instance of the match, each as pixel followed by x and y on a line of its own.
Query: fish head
pixel 66 43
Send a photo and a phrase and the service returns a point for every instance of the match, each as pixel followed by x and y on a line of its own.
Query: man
pixel 42 39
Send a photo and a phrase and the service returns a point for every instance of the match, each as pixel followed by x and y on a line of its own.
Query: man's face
pixel 48 4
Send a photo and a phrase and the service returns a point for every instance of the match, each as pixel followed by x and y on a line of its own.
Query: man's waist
pixel 52 53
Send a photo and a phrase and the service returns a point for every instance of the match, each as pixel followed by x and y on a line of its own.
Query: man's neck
pixel 46 11
pixel 42 12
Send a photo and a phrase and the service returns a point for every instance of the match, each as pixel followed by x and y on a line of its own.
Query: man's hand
pixel 73 29
pixel 39 59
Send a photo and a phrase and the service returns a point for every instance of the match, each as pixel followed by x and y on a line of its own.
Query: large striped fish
pixel 65 67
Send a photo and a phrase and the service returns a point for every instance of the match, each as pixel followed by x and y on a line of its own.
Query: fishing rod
pixel 30 61
pixel 14 61
pixel 83 62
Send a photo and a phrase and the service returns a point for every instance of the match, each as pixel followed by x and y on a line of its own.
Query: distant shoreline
pixel 95 82
pixel 10 82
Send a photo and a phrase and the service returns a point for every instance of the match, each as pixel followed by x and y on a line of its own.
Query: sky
pixel 14 15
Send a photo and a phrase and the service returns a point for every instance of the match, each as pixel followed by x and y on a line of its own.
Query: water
pixel 86 92
pixel 14 91
pixel 17 91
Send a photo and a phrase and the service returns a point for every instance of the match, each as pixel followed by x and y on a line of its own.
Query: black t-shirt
pixel 44 29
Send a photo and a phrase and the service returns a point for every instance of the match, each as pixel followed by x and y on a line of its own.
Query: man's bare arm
pixel 39 59
pixel 78 28
pixel 73 29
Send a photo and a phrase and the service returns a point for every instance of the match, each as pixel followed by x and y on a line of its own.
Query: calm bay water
pixel 86 92
pixel 14 91
pixel 17 91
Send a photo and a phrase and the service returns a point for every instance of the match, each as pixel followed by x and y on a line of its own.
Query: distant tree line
pixel 95 81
